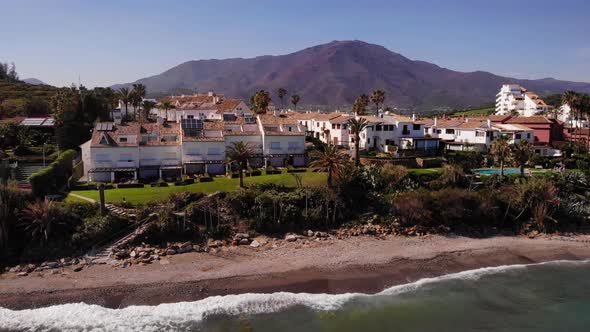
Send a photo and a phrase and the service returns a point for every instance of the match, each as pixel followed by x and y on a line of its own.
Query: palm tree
pixel 329 160
pixel 378 98
pixel 360 104
pixel 138 93
pixel 295 100
pixel 282 93
pixel 125 96
pixel 501 150
pixel 357 125
pixel 572 99
pixel 42 220
pixel 147 105
pixel 239 152
pixel 260 101
pixel 521 153
pixel 167 105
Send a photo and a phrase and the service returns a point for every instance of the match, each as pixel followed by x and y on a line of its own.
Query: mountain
pixel 336 73
pixel 34 81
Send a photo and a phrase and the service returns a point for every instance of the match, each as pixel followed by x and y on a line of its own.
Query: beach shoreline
pixel 360 264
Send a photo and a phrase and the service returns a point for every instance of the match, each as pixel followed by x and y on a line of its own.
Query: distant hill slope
pixel 34 81
pixel 335 73
pixel 14 97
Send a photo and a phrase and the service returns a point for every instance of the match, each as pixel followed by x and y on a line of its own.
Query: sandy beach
pixel 357 264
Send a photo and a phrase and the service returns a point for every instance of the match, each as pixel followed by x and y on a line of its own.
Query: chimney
pixel 489 123
pixel 210 94
pixel 413 117
pixel 276 113
pixel 435 121
pixel 466 119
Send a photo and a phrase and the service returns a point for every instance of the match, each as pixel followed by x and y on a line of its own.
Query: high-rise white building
pixel 514 99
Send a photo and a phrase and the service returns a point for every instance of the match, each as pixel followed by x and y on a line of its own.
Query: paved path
pixel 83 197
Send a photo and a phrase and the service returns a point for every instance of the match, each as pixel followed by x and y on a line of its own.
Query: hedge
pixel 54 177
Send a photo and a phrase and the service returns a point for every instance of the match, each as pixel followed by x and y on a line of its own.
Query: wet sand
pixel 358 264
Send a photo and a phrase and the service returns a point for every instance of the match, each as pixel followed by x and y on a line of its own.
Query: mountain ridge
pixel 335 73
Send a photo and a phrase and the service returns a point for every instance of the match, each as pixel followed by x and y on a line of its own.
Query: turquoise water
pixel 490 171
pixel 542 297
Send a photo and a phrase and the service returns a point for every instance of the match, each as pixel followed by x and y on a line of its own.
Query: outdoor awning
pixel 111 169
pixel 170 167
pixel 202 162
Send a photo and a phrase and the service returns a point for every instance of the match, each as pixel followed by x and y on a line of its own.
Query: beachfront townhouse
pixel 283 140
pixel 515 99
pixel 128 151
pixel 210 106
pixel 477 134
pixel 327 127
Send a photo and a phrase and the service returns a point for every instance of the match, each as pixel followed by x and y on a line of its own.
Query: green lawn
pixel 476 112
pixel 147 194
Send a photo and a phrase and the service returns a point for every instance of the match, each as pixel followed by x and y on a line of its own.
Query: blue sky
pixel 107 42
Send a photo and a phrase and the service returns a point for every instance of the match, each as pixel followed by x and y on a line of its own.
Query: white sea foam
pixel 80 316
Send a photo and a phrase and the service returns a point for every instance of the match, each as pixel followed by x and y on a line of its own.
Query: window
pixel 378 127
pixel 338 126
pixel 416 126
pixel 405 131
pixel 289 128
pixel 438 131
pixel 528 135
pixel 479 134
pixel 449 131
pixel 333 126
pixel 368 141
pixel 122 139
pixel 293 145
pixel 517 136
pixel 190 116
pixel 344 126
pixel 275 145
pixel 104 140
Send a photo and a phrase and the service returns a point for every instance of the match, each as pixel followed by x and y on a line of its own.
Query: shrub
pixel 22 150
pixel 54 177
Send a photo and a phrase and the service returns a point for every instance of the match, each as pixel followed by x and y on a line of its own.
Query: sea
pixel 553 296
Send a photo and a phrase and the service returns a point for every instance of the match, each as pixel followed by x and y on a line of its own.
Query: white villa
pixel 475 134
pixel 570 119
pixel 513 98
pixel 383 131
pixel 190 143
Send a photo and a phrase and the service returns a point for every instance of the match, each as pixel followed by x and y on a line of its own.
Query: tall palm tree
pixel 571 98
pixel 329 160
pixel 138 93
pixel 166 105
pixel 147 105
pixel 239 152
pixel 378 98
pixel 295 100
pixel 501 151
pixel 521 153
pixel 260 101
pixel 124 95
pixel 41 219
pixel 360 104
pixel 356 125
pixel 282 92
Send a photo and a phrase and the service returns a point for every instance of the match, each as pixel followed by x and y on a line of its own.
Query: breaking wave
pixel 190 315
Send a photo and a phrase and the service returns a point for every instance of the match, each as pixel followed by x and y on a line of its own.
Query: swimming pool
pixel 490 171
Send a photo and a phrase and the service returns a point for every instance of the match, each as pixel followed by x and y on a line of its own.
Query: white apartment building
pixel 475 134
pixel 209 106
pixel 514 99
pixel 570 119
pixel 118 152
pixel 383 131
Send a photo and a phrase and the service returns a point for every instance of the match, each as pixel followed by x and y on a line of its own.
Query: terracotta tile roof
pixel 272 119
pixel 341 119
pixel 511 127
pixel 499 118
pixel 473 124
pixel 537 119
pixel 136 130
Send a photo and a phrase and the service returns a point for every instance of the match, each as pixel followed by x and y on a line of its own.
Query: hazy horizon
pixel 109 42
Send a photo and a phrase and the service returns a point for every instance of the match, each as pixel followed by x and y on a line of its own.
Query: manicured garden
pixel 147 194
